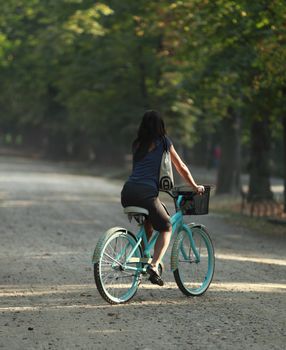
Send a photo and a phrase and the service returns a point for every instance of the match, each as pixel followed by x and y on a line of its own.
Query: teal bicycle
pixel 120 261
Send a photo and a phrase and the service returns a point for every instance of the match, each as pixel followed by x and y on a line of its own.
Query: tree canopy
pixel 76 73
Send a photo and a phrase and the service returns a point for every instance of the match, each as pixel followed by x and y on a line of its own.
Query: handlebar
pixel 177 193
pixel 189 202
pixel 182 189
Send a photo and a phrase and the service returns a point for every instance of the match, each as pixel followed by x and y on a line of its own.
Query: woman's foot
pixel 154 278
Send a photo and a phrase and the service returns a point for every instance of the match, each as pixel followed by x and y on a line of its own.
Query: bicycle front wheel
pixel 115 282
pixel 193 274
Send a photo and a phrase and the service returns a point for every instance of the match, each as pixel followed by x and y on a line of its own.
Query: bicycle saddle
pixel 138 213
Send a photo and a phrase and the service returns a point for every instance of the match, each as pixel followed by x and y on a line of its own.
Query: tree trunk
pixel 228 180
pixel 57 145
pixel 33 137
pixel 142 78
pixel 284 140
pixel 259 182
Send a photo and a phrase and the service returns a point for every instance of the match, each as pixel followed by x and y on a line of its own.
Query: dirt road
pixel 50 222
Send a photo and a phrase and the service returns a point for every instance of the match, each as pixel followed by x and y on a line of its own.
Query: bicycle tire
pixel 184 264
pixel 102 261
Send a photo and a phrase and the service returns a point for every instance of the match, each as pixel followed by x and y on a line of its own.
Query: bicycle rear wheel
pixel 193 276
pixel 115 283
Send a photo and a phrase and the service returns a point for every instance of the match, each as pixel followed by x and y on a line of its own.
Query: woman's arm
pixel 183 170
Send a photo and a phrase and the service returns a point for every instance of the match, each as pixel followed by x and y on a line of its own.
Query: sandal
pixel 154 277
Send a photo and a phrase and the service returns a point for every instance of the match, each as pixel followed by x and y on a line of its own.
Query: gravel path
pixel 51 220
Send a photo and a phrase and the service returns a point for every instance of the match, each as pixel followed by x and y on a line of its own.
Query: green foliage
pixel 87 70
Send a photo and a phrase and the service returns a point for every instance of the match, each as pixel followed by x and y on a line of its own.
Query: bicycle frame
pixel 177 225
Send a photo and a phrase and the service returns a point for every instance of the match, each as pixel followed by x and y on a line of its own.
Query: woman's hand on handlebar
pixel 200 189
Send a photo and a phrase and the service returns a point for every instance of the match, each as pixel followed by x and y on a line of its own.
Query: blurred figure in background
pixel 216 156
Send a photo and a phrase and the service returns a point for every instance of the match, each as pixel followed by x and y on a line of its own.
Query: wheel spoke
pixel 126 276
pixel 114 260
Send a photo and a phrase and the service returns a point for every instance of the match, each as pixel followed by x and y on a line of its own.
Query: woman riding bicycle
pixel 142 187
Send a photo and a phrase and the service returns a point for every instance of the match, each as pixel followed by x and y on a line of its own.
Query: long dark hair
pixel 151 128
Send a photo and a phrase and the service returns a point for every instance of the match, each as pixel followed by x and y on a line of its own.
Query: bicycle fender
pixel 193 224
pixel 175 248
pixel 102 240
